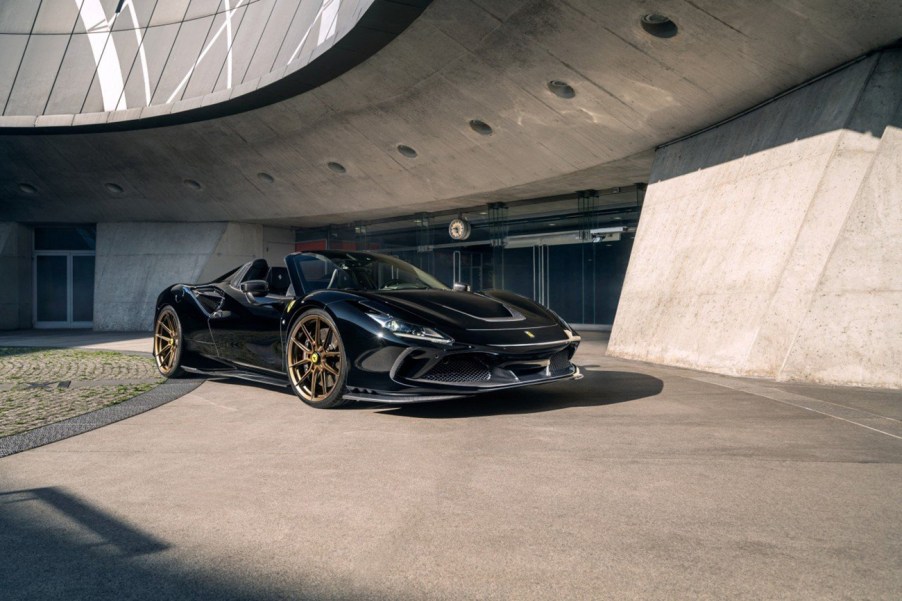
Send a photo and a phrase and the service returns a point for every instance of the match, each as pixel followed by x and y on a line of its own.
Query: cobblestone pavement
pixel 43 386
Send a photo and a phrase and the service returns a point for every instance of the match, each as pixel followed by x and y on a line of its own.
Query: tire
pixel 167 343
pixel 316 360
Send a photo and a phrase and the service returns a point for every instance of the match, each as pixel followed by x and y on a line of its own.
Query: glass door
pixel 64 289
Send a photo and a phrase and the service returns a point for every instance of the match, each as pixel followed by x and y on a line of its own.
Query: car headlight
pixel 404 329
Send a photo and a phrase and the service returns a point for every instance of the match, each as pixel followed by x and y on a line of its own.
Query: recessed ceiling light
pixel 481 127
pixel 336 167
pixel 561 89
pixel 407 151
pixel 113 188
pixel 265 177
pixel 193 184
pixel 659 26
pixel 27 188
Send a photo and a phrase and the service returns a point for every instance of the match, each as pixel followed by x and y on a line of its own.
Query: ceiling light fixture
pixel 27 188
pixel 561 89
pixel 481 127
pixel 193 184
pixel 265 177
pixel 113 188
pixel 336 167
pixel 407 151
pixel 659 26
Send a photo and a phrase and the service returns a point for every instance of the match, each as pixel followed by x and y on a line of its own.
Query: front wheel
pixel 167 343
pixel 316 360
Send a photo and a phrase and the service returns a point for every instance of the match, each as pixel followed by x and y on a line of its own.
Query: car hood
pixel 450 310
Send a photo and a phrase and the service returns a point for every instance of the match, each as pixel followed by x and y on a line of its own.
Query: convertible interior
pixel 278 283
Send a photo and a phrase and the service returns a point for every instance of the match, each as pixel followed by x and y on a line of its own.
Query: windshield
pixel 359 271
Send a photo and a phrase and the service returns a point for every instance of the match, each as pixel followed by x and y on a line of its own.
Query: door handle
pixel 220 314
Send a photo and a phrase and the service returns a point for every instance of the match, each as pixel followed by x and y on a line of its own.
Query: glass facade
pixel 568 253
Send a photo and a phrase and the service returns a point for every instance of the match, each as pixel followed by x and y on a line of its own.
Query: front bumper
pixel 426 395
pixel 429 373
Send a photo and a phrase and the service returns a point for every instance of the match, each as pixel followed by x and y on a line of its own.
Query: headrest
pixel 278 280
pixel 257 271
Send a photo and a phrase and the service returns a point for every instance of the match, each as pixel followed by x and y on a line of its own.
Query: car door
pixel 200 339
pixel 246 330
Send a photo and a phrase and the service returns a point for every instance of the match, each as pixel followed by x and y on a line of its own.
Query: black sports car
pixel 341 326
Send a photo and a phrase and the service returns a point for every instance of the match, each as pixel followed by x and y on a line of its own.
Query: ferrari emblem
pixel 530 334
pixel 314 358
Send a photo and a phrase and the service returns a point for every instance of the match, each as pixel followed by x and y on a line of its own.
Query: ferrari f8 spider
pixel 340 326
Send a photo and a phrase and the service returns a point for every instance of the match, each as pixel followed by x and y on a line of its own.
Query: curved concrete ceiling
pixel 461 60
pixel 77 62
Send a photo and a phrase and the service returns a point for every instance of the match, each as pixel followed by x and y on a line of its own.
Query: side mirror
pixel 461 287
pixel 254 287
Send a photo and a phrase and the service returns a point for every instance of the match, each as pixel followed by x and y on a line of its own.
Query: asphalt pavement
pixel 638 482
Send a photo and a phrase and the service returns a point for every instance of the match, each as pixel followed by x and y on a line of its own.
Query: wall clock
pixel 459 228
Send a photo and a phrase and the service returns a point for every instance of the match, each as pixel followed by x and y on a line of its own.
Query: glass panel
pixel 518 271
pixel 444 264
pixel 51 288
pixel 565 281
pixel 65 238
pixel 611 260
pixel 83 288
pixel 467 268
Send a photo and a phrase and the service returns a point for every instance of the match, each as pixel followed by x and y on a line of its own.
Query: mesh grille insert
pixel 559 362
pixel 458 369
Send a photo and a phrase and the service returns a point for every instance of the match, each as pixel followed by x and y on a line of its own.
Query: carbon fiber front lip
pixel 442 394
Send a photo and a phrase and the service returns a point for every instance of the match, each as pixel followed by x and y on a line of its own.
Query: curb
pixel 168 391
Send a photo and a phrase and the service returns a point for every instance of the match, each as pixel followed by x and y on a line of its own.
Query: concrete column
pixel 16 285
pixel 770 246
pixel 135 261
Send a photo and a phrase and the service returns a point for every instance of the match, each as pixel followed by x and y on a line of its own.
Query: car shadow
pixel 595 389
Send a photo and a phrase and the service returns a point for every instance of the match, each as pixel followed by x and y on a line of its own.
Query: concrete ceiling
pixel 460 60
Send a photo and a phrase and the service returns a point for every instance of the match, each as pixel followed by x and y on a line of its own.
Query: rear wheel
pixel 167 343
pixel 316 360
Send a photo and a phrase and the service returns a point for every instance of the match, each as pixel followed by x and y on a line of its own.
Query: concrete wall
pixel 136 261
pixel 15 276
pixel 770 246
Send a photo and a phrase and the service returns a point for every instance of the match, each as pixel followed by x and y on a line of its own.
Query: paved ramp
pixel 636 482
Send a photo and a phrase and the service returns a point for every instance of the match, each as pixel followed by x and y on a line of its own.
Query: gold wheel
pixel 316 360
pixel 167 341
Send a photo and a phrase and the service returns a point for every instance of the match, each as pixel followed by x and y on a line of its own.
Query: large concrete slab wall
pixel 769 246
pixel 15 276
pixel 136 261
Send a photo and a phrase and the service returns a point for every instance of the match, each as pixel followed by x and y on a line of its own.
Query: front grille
pixel 458 369
pixel 559 363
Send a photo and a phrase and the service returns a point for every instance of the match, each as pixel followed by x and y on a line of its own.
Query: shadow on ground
pixel 55 545
pixel 595 389
pixel 14 351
